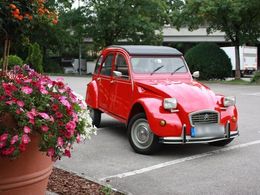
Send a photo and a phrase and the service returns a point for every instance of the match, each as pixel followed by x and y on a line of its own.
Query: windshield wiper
pixel 180 67
pixel 155 70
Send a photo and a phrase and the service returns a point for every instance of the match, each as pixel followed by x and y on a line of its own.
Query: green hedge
pixel 210 60
pixel 12 61
pixel 256 77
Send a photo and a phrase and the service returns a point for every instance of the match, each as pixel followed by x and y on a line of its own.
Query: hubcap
pixel 141 134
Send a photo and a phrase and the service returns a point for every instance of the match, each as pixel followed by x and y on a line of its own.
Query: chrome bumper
pixel 187 139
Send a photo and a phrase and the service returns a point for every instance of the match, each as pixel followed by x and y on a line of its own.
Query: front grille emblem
pixel 206 117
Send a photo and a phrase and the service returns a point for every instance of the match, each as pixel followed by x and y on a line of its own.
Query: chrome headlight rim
pixel 229 101
pixel 170 103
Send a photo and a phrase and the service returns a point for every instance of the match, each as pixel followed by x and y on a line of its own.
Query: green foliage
pixel 107 190
pixel 35 57
pixel 52 66
pixel 13 60
pixel 239 19
pixel 256 78
pixel 135 21
pixel 210 60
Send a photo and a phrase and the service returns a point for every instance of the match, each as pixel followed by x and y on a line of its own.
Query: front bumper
pixel 187 139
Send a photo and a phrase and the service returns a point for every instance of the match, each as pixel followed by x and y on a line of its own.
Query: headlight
pixel 170 103
pixel 229 101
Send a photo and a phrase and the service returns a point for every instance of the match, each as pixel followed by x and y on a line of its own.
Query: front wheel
pixel 140 136
pixel 95 115
pixel 221 142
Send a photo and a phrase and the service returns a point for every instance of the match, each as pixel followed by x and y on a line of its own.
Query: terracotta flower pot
pixel 26 175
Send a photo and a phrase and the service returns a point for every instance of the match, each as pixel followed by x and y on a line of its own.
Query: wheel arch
pixel 92 94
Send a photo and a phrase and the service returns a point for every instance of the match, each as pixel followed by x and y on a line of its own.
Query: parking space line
pixel 178 161
pixel 253 94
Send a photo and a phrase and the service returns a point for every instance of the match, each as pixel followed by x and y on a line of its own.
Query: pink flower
pixel 58 115
pixel 32 121
pixel 14 139
pixel 67 153
pixel 26 129
pixel 8 151
pixel 44 115
pixel 22 147
pixel 65 102
pixel 45 128
pixel 31 114
pixel 60 141
pixel 9 88
pixel 43 90
pixel 25 139
pixel 78 138
pixel 55 107
pixel 27 90
pixel 10 102
pixel 2 144
pixel 50 152
pixel 3 137
pixel 20 103
pixel 70 125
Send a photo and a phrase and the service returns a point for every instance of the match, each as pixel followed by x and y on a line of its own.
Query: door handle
pixel 113 81
pixel 98 79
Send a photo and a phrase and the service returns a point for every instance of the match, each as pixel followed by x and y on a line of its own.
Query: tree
pixel 135 21
pixel 16 18
pixel 239 19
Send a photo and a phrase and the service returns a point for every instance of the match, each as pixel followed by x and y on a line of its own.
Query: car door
pixel 104 82
pixel 121 90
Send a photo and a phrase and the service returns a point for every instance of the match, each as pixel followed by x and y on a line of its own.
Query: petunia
pixel 44 115
pixel 60 141
pixel 26 129
pixel 44 128
pixel 14 139
pixel 25 139
pixel 27 90
pixel 50 152
pixel 3 137
pixel 67 153
pixel 20 103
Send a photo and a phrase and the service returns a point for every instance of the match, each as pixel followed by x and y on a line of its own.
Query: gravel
pixel 67 183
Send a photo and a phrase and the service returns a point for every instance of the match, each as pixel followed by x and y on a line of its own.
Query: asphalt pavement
pixel 176 169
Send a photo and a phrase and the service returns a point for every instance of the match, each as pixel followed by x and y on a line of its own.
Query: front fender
pixel 92 94
pixel 155 113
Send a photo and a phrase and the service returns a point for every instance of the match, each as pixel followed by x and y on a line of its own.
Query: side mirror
pixel 196 74
pixel 117 73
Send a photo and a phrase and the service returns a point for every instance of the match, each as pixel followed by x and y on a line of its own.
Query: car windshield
pixel 157 64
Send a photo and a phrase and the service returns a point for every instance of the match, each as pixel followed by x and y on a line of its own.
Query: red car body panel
pixel 122 98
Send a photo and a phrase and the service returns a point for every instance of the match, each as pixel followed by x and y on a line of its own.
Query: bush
pixel 256 77
pixel 12 61
pixel 35 57
pixel 52 66
pixel 210 60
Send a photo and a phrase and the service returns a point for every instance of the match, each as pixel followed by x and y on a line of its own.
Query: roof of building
pixel 148 50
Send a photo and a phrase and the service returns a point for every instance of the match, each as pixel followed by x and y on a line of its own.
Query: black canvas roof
pixel 149 50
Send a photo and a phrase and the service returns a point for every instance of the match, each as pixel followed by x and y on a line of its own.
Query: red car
pixel 151 90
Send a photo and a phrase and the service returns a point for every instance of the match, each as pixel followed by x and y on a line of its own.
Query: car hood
pixel 191 96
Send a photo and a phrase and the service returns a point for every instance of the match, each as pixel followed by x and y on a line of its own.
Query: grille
pixel 204 118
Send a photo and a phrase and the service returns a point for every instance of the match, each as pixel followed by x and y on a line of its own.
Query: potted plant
pixel 40 119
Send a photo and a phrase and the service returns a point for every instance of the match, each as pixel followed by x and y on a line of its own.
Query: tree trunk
pixel 7 45
pixel 237 74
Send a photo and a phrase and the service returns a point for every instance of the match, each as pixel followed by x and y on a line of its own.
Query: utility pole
pixel 79 45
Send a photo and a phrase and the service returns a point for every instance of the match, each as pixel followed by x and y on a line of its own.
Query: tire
pixel 140 136
pixel 95 115
pixel 221 142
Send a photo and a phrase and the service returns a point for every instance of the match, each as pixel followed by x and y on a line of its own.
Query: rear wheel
pixel 221 142
pixel 95 115
pixel 140 136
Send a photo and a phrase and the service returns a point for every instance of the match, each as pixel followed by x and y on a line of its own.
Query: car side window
pixel 99 61
pixel 121 66
pixel 107 65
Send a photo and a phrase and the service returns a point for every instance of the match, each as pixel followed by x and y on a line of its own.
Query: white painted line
pixel 253 94
pixel 178 161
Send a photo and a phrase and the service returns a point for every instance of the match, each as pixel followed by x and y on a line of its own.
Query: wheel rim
pixel 141 134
